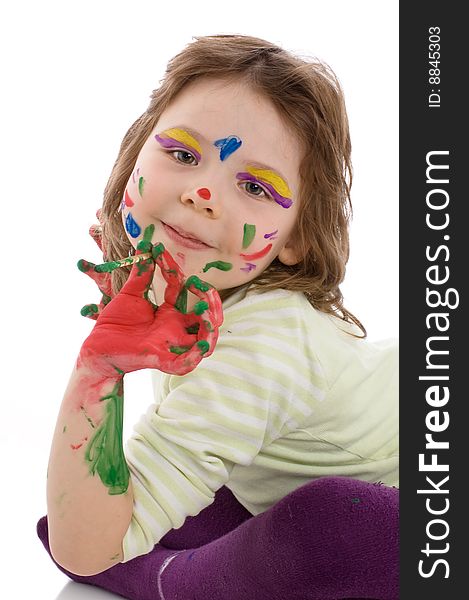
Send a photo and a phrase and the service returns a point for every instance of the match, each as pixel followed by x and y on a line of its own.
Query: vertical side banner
pixel 434 329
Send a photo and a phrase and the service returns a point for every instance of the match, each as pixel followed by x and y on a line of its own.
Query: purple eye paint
pixel 282 200
pixel 168 142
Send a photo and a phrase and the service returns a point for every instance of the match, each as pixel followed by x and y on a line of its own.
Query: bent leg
pixel 331 539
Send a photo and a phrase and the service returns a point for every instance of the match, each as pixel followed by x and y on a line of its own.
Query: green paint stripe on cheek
pixel 141 183
pixel 248 236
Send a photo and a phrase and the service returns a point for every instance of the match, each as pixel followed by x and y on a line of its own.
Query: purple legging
pixel 333 538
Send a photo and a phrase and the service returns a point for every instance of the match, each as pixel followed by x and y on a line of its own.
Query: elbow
pixel 84 563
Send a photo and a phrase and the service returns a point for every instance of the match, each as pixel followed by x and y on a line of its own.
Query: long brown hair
pixel 309 98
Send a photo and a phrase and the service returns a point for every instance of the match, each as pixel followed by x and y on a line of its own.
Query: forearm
pixel 89 493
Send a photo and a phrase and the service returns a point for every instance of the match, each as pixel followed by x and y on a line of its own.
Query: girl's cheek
pixel 257 248
pixel 132 206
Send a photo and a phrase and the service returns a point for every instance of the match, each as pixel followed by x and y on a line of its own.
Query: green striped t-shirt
pixel 286 397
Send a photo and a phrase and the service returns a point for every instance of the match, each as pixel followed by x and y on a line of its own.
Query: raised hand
pixel 132 334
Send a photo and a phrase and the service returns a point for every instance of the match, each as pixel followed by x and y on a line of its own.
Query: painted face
pixel 218 177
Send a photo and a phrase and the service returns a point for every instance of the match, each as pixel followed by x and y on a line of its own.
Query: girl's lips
pixel 184 241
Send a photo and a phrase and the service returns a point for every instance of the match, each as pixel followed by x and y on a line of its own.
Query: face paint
pixel 133 174
pixel 77 446
pixel 256 255
pixel 141 183
pixel 204 193
pixel 248 268
pixel 274 183
pixel 228 146
pixel 177 138
pixel 218 264
pixel 132 227
pixel 127 199
pixel 248 235
pixel 269 235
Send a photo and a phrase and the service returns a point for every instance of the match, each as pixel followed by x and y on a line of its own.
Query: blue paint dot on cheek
pixel 132 227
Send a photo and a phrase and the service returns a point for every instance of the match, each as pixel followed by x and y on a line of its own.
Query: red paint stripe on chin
pixel 128 199
pixel 259 254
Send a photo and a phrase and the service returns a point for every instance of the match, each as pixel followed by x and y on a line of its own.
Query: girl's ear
pixel 288 255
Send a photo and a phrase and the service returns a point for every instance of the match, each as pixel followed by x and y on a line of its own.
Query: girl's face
pixel 218 177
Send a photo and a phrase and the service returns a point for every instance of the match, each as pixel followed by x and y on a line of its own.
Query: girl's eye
pixel 255 189
pixel 183 156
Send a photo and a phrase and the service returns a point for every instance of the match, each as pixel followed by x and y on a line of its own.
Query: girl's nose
pixel 204 193
pixel 201 200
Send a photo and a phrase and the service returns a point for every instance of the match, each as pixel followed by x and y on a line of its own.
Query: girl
pixel 238 172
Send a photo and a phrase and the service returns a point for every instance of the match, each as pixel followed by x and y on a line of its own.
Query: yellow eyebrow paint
pixel 270 177
pixel 184 137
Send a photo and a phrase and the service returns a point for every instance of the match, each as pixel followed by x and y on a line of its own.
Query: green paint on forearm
pixel 104 452
pixel 249 233
pixel 218 264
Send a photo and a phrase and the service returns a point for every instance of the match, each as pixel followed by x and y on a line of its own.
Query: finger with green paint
pixel 102 280
pixel 171 272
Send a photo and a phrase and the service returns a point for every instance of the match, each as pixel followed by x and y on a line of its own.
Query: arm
pixel 88 515
pixel 90 499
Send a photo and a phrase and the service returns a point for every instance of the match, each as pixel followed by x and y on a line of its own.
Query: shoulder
pixel 269 334
pixel 273 309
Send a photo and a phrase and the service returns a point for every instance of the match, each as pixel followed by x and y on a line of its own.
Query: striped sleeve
pixel 257 381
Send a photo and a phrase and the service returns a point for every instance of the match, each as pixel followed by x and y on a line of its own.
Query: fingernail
pixel 197 283
pixel 200 307
pixel 144 246
pixel 203 345
pixel 89 309
pixel 157 250
pixel 84 265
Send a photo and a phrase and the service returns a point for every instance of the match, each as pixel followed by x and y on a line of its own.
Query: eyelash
pixel 174 152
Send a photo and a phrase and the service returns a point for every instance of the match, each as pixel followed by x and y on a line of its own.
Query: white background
pixel 75 75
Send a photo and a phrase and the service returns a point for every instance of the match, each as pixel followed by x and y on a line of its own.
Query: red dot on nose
pixel 204 193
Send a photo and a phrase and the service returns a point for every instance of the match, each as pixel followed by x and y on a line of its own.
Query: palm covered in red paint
pixel 132 334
